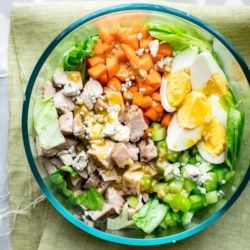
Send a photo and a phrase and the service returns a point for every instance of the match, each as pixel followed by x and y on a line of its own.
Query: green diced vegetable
pixel 235 123
pixel 91 199
pixel 186 218
pixel 197 202
pixel 178 202
pixel 205 167
pixel 132 201
pixel 121 221
pixel 227 100
pixel 150 215
pixel 189 185
pixel 175 186
pixel 229 176
pixel 211 197
pixel 194 151
pixel 169 220
pixel 184 157
pixel 162 149
pixel 199 158
pixel 193 160
pixel 173 155
pixel 158 132
pixel 145 182
pixel 160 166
pixel 212 183
pixel 70 170
pixel 221 173
pixel 159 186
pixel 46 124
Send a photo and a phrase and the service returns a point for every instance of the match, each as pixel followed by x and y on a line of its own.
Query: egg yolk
pixel 194 111
pixel 179 85
pixel 216 84
pixel 214 137
pixel 74 76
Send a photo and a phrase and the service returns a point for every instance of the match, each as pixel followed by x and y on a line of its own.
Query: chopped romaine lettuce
pixel 121 221
pixel 235 123
pixel 91 199
pixel 181 38
pixel 73 59
pixel 70 170
pixel 46 124
pixel 150 215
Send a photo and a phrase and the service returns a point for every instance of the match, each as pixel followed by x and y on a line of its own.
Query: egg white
pixel 208 156
pixel 178 138
pixel 164 99
pixel 203 67
pixel 184 59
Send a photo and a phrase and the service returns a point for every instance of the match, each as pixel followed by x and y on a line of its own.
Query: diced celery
pixel 205 167
pixel 145 182
pixel 184 157
pixel 199 158
pixel 188 185
pixel 176 217
pixel 186 218
pixel 169 220
pixel 194 151
pixel 212 183
pixel 156 125
pixel 158 134
pixel 163 224
pixel 132 201
pixel 173 155
pixel 212 197
pixel 160 166
pixel 178 202
pixel 192 160
pixel 162 149
pixel 229 176
pixel 160 186
pixel 175 186
pixel 197 201
pixel 221 173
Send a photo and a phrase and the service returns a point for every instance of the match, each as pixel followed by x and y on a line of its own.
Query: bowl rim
pixel 55 203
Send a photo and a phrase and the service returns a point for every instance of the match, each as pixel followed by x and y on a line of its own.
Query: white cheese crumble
pixel 139 36
pixel 172 170
pixel 201 189
pixel 142 73
pixel 140 52
pixel 154 47
pixel 117 132
pixel 80 162
pixel 142 90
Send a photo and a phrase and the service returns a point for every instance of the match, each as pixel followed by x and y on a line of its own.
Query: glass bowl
pixel 235 68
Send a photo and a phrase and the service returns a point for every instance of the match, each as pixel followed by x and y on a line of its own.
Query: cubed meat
pixel 87 221
pixel 100 106
pixel 93 181
pixel 49 90
pixel 78 126
pixel 81 161
pixel 71 81
pixel 103 187
pixel 148 150
pixel 114 199
pixel 69 143
pixel 63 103
pixel 91 167
pixel 83 173
pixel 95 215
pixel 76 183
pixel 134 120
pixel 100 154
pixel 121 156
pixel 131 182
pixel 133 151
pixel 107 174
pixel 91 92
pixel 51 165
pixel 66 123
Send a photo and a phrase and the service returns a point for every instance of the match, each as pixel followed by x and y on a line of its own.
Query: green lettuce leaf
pixel 121 221
pixel 235 124
pixel 181 38
pixel 74 59
pixel 46 124
pixel 150 215
pixel 91 199
pixel 69 170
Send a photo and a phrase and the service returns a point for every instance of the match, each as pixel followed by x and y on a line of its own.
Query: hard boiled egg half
pixel 177 84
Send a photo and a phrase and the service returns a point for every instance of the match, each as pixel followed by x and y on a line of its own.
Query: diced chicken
pixel 134 120
pixel 149 169
pixel 65 157
pixel 76 183
pixel 133 151
pixel 100 106
pixel 95 215
pixel 66 123
pixel 63 103
pixel 70 80
pixel 121 156
pixel 145 197
pixel 93 181
pixel 69 143
pixel 91 92
pixel 107 174
pixel 103 186
pixel 137 165
pixel 49 90
pixel 91 167
pixel 100 154
pixel 87 221
pixel 78 126
pixel 83 174
pixel 81 161
pixel 50 165
pixel 131 182
pixel 148 150
pixel 114 199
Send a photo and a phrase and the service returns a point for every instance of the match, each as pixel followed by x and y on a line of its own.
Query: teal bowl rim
pixel 56 204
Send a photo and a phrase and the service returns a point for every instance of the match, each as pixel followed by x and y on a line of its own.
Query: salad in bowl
pixel 137 126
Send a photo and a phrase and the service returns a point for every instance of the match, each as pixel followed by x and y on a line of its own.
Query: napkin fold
pixel 32 28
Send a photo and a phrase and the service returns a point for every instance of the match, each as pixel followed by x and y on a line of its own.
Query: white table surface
pixel 5 11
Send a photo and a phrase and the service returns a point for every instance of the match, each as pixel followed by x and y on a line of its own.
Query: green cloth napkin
pixel 32 28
